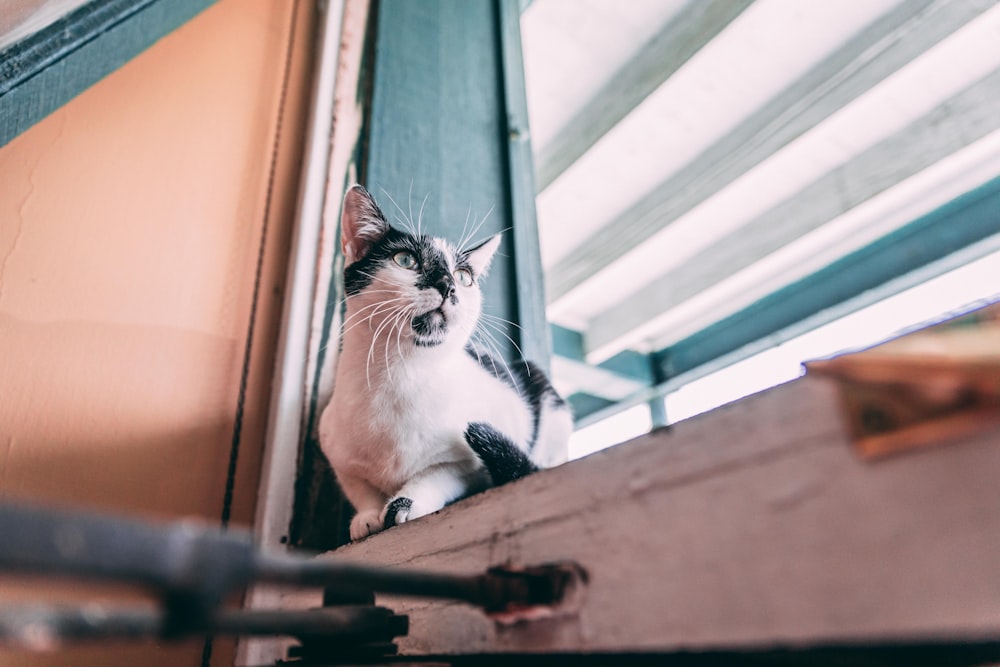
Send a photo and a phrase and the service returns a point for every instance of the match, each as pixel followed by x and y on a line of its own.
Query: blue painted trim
pixel 567 343
pixel 965 220
pixel 49 68
pixel 445 80
pixel 586 404
pixel 629 364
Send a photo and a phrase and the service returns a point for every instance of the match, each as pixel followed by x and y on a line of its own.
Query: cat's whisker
pixel 496 327
pixel 480 224
pixel 462 240
pixel 366 320
pixel 399 334
pixel 405 221
pixel 483 239
pixel 409 204
pixel 495 345
pixel 398 323
pixel 361 311
pixel 346 299
pixel 371 347
pixel 420 214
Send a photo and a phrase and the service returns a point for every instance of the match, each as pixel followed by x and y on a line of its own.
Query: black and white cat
pixel 420 416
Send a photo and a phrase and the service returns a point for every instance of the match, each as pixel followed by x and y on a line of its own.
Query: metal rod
pixel 46 627
pixel 194 566
pixel 496 590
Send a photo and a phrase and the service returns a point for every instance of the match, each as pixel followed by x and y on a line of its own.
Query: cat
pixel 420 415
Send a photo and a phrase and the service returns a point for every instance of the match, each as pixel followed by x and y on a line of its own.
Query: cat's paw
pixel 397 511
pixel 364 524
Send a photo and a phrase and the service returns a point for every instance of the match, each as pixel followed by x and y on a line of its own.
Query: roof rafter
pixel 881 49
pixel 693 27
pixel 951 126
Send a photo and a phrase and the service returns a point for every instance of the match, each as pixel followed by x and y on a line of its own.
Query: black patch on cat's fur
pixel 429 328
pixel 360 274
pixel 527 380
pixel 502 458
pixel 432 264
pixel 401 503
pixel 434 271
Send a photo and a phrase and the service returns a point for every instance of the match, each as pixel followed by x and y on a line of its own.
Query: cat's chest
pixel 430 405
pixel 414 417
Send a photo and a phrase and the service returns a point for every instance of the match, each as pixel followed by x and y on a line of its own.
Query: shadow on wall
pixel 116 415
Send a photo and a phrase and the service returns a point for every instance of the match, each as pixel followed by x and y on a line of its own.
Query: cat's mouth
pixel 430 328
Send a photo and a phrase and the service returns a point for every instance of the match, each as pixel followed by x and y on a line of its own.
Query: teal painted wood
pixel 535 342
pixel 962 222
pixel 973 218
pixel 629 364
pixel 49 68
pixel 439 138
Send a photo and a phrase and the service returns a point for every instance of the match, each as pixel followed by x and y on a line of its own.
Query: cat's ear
pixel 480 256
pixel 362 224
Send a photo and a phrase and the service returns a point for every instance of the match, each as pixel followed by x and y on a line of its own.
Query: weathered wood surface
pixel 753 525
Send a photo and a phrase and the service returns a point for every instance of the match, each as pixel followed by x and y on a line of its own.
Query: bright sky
pixel 949 294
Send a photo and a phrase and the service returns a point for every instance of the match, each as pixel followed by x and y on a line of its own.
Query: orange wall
pixel 130 225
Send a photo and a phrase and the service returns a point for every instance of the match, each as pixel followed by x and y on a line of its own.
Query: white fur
pixel 395 426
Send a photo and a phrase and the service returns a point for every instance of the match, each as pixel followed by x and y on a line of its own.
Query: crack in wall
pixel 18 232
pixel 26 199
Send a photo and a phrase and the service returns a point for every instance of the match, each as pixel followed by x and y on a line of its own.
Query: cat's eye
pixel 405 259
pixel 464 276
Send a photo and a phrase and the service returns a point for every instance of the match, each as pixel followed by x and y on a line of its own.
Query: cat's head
pixel 412 289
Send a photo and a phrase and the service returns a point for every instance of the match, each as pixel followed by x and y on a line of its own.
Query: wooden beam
pixel 953 125
pixel 579 376
pixel 691 29
pixel 441 139
pixel 612 380
pixel 529 285
pixel 47 69
pixel 880 50
pixel 752 526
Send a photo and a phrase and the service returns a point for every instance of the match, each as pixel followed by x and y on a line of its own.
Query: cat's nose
pixel 446 286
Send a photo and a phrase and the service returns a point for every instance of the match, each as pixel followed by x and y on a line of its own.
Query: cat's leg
pixel 432 489
pixel 368 502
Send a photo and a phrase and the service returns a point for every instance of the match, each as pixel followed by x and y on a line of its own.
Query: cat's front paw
pixel 364 524
pixel 397 511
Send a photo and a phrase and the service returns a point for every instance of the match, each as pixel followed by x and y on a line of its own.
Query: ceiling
pixel 695 156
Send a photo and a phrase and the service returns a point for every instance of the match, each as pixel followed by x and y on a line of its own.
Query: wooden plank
pixel 880 50
pixel 47 69
pixel 687 33
pixel 752 526
pixel 953 125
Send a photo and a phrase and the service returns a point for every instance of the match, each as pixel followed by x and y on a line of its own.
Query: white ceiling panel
pixel 797 132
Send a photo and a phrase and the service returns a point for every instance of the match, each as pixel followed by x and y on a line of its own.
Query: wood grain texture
pixel 753 525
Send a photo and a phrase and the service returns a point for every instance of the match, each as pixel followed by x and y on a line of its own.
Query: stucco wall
pixel 130 226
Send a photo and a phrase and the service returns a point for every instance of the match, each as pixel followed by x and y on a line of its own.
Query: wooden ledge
pixel 755 525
